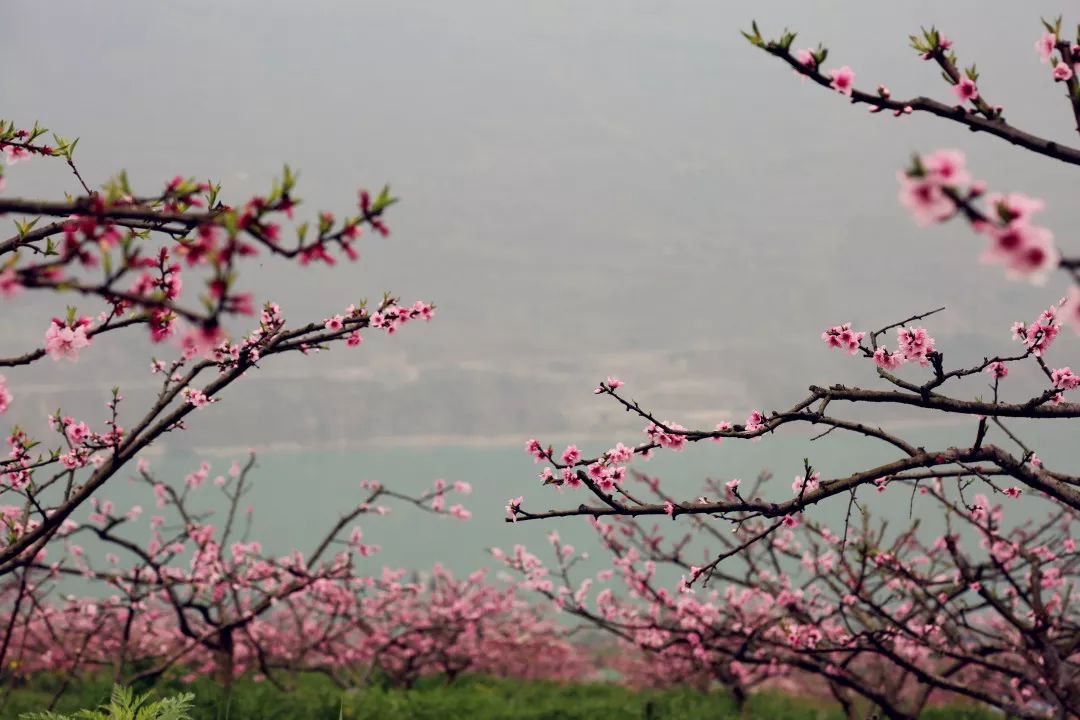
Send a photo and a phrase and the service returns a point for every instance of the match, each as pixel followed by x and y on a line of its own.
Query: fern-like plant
pixel 125 705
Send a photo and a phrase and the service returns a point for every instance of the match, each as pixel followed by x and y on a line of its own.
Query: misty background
pixel 611 187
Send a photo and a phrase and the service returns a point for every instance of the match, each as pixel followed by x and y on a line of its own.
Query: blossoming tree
pixel 884 618
pixel 183 590
pixel 200 597
pixel 170 262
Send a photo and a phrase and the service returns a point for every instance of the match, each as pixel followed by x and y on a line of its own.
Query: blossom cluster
pixel 938 186
pixel 1063 68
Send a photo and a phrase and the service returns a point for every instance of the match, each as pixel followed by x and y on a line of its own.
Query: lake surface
pixel 297 495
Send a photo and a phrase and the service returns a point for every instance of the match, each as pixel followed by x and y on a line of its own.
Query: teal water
pixel 297 495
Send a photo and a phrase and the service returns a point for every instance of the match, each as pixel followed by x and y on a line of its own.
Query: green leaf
pixel 211 198
pixel 384 200
pixel 755 37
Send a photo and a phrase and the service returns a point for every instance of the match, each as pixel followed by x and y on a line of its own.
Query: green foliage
pixel 784 43
pixel 125 705
pixel 755 36
pixel 469 698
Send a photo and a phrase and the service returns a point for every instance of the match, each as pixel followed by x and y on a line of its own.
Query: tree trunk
pixel 224 660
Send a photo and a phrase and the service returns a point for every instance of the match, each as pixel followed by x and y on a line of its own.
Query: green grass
pixel 316 698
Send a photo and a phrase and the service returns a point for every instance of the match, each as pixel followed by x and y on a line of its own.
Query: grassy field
pixel 473 699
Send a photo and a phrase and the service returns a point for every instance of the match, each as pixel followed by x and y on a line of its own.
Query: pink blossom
pixel 843 338
pixel 1013 492
pixel 843 80
pixel 997 370
pixel 9 284
pixel 1044 46
pixel 790 521
pixel 925 199
pixel 1039 335
pixel 196 479
pixel 14 154
pixel 195 397
pixel 674 440
pixel 513 506
pixel 533 447
pixel 1014 206
pixel 1064 379
pixel 721 427
pixel 1026 250
pixel 353 339
pixel 915 344
pixel 806 58
pixel 1008 240
pixel 887 361
pixel 160 494
pixel 571 455
pixel 1071 309
pixel 77 433
pixel 605 482
pixel 669 509
pixel 5 396
pixel 1062 72
pixel 810 485
pixel 620 454
pixel 755 422
pixel 614 383
pixel 732 488
pixel 965 90
pixel 200 341
pixel 947 167
pixel 981 508
pixel 334 323
pixel 65 341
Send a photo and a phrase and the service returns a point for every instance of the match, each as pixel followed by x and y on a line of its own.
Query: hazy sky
pixel 589 188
